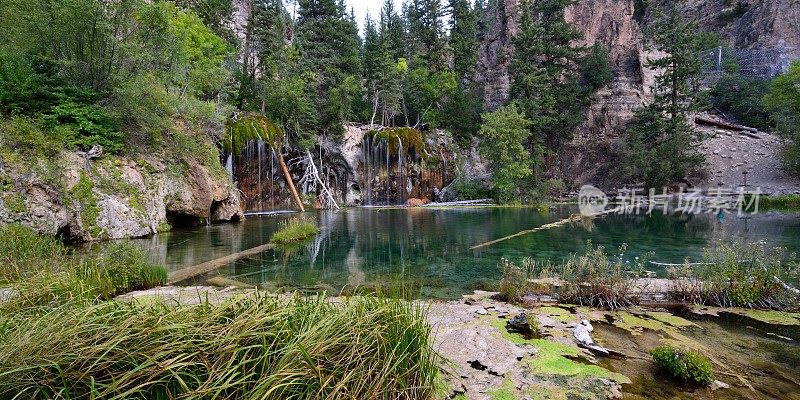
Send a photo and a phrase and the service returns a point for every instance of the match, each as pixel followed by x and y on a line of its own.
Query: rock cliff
pixel 618 25
pixel 112 197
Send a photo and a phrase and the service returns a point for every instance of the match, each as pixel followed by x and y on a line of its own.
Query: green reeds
pixel 294 230
pixel 785 202
pixel 39 271
pixel 738 274
pixel 591 279
pixel 255 347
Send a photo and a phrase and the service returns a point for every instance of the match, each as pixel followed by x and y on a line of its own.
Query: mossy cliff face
pixel 112 197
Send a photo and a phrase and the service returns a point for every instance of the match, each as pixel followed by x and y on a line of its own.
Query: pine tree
pixel 391 31
pixel 659 143
pixel 463 39
pixel 544 69
pixel 328 39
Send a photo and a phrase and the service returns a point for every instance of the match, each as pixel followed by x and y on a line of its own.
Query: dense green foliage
pixel 783 101
pixel 784 202
pixel 504 134
pixel 545 71
pixel 687 366
pixel 659 145
pixel 90 72
pixel 741 98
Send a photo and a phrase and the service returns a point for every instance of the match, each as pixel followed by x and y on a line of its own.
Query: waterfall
pixel 260 188
pixel 229 164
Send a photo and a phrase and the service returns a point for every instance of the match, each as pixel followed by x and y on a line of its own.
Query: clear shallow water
pixel 367 246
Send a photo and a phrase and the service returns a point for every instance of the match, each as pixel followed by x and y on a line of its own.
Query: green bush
pixel 785 202
pixel 687 366
pixel 252 347
pixel 26 137
pixel 88 124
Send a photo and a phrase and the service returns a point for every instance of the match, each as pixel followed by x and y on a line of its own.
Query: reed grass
pixel 256 347
pixel 40 272
pixel 592 278
pixel 784 202
pixel 294 230
pixel 738 274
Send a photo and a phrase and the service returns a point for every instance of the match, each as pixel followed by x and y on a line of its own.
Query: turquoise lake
pixel 363 246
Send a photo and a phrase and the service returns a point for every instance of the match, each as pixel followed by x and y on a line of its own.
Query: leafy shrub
pixel 300 348
pixel 687 366
pixel 294 230
pixel 89 125
pixel 783 102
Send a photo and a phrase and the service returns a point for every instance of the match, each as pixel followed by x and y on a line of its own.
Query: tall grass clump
pixel 735 274
pixel 294 230
pixel 254 347
pixel 40 272
pixel 592 279
pixel 23 252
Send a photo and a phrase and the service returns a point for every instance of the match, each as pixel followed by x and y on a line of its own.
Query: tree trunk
pixel 289 181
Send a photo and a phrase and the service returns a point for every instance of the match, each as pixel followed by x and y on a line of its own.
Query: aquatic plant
pixel 295 230
pixel 735 274
pixel 591 279
pixel 251 347
pixel 688 366
pixel 405 138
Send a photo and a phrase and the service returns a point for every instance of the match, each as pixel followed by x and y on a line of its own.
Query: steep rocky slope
pixel 617 24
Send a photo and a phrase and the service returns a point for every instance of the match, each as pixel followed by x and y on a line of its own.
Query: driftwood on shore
pixel 744 130
pixel 199 269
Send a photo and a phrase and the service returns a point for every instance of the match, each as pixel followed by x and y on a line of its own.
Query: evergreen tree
pixel 392 33
pixel 463 39
pixel 544 68
pixel 659 143
pixel 329 43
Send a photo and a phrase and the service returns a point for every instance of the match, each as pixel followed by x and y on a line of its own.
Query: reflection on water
pixel 360 246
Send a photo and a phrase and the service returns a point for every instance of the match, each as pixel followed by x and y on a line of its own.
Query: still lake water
pixel 365 246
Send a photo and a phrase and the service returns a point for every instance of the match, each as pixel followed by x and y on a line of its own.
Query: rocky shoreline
pixel 482 359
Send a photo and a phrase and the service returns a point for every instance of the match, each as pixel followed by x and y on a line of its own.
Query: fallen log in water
pixel 199 269
pixel 565 221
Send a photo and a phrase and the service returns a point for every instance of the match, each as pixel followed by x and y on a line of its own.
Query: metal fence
pixel 753 63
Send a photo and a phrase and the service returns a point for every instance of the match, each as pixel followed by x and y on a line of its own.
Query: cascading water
pixel 381 172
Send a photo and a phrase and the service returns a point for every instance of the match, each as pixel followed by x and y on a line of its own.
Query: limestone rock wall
pixel 114 197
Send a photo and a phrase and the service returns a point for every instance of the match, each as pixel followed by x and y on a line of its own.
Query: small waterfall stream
pixel 382 173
